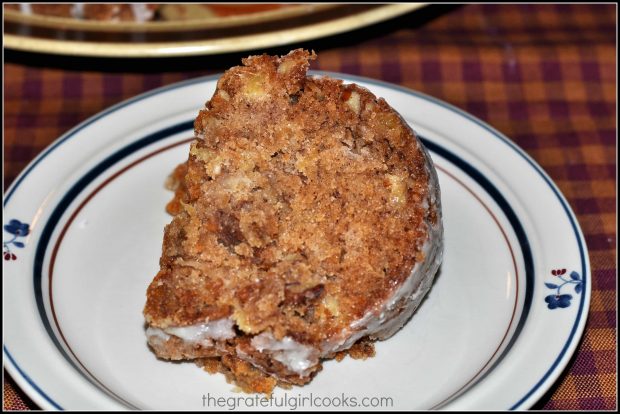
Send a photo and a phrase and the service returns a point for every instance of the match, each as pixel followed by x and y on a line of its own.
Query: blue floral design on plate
pixel 18 230
pixel 559 300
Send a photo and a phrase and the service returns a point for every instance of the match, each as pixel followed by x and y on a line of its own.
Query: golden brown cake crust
pixel 303 208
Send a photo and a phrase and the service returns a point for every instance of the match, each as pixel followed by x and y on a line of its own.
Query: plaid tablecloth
pixel 544 75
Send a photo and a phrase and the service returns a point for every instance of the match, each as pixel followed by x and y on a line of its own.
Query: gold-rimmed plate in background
pixel 192 29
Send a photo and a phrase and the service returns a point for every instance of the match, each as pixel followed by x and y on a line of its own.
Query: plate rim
pixel 578 325
pixel 235 43
pixel 236 20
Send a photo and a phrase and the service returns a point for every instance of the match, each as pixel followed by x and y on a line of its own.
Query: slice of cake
pixel 307 222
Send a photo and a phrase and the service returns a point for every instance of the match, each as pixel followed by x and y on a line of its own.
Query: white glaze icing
pixel 204 333
pixel 156 335
pixel 296 357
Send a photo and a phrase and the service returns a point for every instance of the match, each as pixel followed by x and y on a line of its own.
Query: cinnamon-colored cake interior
pixel 300 218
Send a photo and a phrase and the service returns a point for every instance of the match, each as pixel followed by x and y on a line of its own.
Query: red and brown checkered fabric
pixel 544 75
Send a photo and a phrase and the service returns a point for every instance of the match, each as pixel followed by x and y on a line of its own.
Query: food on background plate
pixel 307 224
pixel 138 12
pixel 143 12
pixel 181 11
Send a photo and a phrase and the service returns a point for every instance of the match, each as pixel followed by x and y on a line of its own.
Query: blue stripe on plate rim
pixel 152 138
pixel 469 169
pixel 29 380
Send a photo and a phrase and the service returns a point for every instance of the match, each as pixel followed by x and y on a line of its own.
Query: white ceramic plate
pixel 85 219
